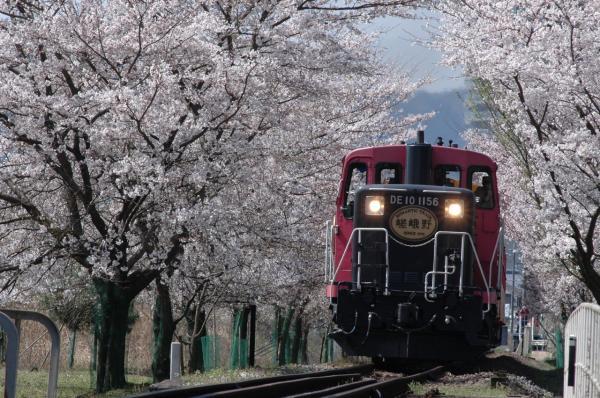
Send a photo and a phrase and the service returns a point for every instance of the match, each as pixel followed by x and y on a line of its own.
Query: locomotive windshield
pixel 389 173
pixel 481 185
pixel 357 179
pixel 447 176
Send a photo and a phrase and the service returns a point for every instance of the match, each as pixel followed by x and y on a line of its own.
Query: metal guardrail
pixel 10 321
pixel 12 355
pixel 582 353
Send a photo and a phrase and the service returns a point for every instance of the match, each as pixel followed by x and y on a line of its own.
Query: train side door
pixel 356 175
pixel 480 179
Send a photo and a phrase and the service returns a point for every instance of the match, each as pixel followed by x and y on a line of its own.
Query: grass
pixel 71 383
pixel 76 383
pixel 482 390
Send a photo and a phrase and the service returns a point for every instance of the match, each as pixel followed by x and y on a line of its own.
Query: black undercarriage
pixel 406 325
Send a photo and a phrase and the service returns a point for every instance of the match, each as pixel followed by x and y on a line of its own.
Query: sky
pixel 402 44
pixel 398 45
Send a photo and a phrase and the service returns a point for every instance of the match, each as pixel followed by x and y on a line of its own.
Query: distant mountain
pixel 452 114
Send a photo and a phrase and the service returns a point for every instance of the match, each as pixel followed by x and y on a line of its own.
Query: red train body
pixel 415 253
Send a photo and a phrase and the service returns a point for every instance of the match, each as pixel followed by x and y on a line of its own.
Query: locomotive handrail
pixel 328 241
pixel 433 273
pixel 387 263
pixel 499 239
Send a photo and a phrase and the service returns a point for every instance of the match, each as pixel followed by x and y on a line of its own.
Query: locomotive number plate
pixel 413 223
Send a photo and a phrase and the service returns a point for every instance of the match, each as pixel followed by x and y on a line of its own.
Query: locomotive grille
pixel 411 277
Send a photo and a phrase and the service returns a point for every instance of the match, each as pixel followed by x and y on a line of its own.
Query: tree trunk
pixel 197 330
pixel 252 337
pixel 296 340
pixel 276 331
pixel 284 336
pixel 94 349
pixel 323 354
pixel 163 328
pixel 304 346
pixel 112 331
pixel 71 354
pixel 243 338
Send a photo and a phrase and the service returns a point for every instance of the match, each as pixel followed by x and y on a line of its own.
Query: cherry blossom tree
pixel 537 62
pixel 127 125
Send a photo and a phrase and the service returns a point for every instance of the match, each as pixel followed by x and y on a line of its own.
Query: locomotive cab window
pixel 388 173
pixel 447 176
pixel 480 181
pixel 357 178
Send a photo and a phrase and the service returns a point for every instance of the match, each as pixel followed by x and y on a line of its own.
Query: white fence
pixel 582 353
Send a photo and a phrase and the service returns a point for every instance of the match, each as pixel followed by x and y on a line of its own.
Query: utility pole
pixel 512 293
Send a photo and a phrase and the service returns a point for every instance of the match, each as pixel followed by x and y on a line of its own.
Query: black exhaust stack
pixel 418 162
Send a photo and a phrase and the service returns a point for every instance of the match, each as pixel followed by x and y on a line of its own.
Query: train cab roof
pixel 441 155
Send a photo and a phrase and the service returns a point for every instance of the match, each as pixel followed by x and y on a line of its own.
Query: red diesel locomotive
pixel 414 253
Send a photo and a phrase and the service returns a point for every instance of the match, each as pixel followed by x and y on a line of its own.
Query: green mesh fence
pixel 284 338
pixel 234 356
pixel 560 353
pixel 94 332
pixel 239 346
pixel 288 349
pixel 277 322
pixel 211 351
pixel 327 349
pixel 243 353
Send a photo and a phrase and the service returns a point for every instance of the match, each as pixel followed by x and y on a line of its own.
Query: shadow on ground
pixel 540 373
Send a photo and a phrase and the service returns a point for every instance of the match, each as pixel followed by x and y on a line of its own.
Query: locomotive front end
pixel 412 293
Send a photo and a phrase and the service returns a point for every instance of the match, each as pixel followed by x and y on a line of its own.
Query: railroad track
pixel 351 382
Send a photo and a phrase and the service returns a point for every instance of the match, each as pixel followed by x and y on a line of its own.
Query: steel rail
pixel 333 390
pixel 195 391
pixel 388 388
pixel 283 388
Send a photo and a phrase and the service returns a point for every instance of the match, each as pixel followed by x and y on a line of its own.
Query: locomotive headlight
pixel 374 205
pixel 454 208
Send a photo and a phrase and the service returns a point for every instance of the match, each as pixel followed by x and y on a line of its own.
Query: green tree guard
pixel 304 346
pixel 252 337
pixel 235 344
pixel 163 328
pixel 197 330
pixel 277 323
pixel 284 337
pixel 243 330
pixel 560 353
pixel 94 353
pixel 71 353
pixel 209 352
pixel 112 327
pixel 296 340
pixel 323 354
